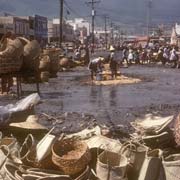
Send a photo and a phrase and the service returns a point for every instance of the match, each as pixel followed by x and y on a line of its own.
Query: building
pixel 175 36
pixel 54 31
pixel 41 29
pixel 50 31
pixel 17 25
pixel 6 25
pixel 31 22
pixel 81 28
pixel 79 23
pixel 21 27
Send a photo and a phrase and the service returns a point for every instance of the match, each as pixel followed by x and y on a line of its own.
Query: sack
pixel 151 166
pixel 171 166
pixel 135 153
pixel 111 166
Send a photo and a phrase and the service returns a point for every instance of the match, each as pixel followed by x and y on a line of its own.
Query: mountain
pixel 125 11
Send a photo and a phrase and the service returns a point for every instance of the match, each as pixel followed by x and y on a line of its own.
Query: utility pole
pixel 105 29
pixel 93 2
pixel 61 22
pixel 149 12
pixel 112 33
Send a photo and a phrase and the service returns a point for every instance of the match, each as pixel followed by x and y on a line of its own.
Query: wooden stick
pixel 51 117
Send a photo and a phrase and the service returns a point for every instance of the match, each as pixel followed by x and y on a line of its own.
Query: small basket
pixel 71 156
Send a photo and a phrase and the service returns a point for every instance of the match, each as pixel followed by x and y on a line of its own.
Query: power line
pixel 72 10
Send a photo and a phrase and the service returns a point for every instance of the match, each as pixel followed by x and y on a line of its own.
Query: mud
pixel 78 105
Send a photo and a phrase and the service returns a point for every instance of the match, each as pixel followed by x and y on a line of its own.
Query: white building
pixel 53 30
pixel 175 36
pixel 6 24
pixel 79 23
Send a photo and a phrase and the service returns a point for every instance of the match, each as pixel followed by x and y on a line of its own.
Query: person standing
pixel 125 55
pixel 173 57
pixel 113 63
pixel 130 56
pixel 165 55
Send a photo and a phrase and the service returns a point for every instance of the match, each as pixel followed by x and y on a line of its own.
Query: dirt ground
pixel 78 105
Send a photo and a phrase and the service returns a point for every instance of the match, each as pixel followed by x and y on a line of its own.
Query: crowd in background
pixel 167 54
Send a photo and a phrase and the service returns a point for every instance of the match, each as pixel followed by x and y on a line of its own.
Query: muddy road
pixel 84 104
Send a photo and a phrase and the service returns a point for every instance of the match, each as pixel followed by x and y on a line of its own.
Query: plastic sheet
pixel 6 112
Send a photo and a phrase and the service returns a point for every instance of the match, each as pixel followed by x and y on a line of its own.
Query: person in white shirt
pixel 173 57
pixel 95 66
pixel 113 62
pixel 130 56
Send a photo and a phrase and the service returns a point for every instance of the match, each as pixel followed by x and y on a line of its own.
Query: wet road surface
pixel 158 93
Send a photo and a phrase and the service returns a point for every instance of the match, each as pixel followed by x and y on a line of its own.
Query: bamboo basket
pixel 70 156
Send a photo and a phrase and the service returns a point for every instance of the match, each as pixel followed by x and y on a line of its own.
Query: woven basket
pixel 44 76
pixel 44 64
pixel 10 60
pixel 71 156
pixel 10 65
pixel 53 54
pixel 31 59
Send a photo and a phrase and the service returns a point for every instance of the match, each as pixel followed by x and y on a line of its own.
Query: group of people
pixel 96 65
pixel 135 55
pixel 138 55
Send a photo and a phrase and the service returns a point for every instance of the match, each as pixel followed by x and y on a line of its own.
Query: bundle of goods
pixel 66 63
pixel 11 57
pixel 53 54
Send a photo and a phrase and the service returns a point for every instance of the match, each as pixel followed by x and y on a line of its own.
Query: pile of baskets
pixel 66 159
pixel 49 63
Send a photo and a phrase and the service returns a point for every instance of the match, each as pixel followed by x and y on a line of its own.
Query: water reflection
pixel 113 97
pixel 96 95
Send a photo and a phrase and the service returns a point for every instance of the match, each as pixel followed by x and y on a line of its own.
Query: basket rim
pixel 70 159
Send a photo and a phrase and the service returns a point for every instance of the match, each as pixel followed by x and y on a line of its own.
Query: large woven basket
pixel 53 54
pixel 31 59
pixel 71 156
pixel 11 57
pixel 44 64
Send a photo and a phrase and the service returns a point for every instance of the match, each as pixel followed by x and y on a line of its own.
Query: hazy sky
pixel 126 11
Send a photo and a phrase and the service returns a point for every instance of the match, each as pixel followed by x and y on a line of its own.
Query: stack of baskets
pixel 44 67
pixel 11 58
pixel 53 55
pixel 31 55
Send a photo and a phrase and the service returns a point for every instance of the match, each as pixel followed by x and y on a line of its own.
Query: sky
pixel 123 11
